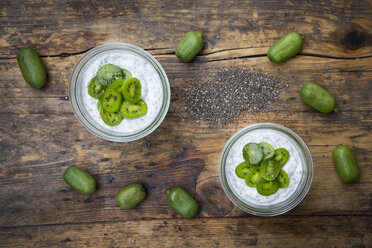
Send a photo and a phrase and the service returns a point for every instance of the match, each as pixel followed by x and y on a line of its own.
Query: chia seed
pixel 230 91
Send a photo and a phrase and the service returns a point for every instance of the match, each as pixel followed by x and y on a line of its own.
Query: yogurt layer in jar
pixel 155 90
pixel 151 89
pixel 298 167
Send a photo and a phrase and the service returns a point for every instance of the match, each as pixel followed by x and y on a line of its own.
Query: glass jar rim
pixel 93 128
pixel 259 212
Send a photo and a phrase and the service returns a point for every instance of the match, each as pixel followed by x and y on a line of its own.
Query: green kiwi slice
pixel 283 179
pixel 117 85
pixel 253 177
pixel 95 90
pixel 267 188
pixel 133 110
pixel 111 101
pixel 281 155
pixel 111 119
pixel 132 90
pixel 243 169
pixel 267 149
pixel 270 169
pixel 252 153
pixel 126 73
pixel 108 73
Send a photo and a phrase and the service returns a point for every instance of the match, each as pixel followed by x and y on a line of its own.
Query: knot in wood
pixel 353 36
pixel 354 40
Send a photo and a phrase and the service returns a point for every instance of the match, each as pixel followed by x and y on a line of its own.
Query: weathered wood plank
pixel 348 80
pixel 40 136
pixel 34 156
pixel 325 231
pixel 331 28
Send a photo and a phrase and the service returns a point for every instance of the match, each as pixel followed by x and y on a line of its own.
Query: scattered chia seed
pixel 231 91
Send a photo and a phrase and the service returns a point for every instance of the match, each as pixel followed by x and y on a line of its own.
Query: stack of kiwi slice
pixel 262 168
pixel 119 94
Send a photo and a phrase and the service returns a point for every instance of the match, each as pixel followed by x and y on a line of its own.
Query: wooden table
pixel 40 136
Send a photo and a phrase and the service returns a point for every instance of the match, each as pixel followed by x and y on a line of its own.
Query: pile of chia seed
pixel 231 91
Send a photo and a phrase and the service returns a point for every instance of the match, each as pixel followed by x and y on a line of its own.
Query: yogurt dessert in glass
pixel 155 91
pixel 299 168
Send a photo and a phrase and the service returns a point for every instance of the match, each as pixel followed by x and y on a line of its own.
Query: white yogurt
pixel 152 90
pixel 293 167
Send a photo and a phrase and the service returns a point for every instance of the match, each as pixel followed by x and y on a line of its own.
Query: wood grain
pixel 226 25
pixel 312 231
pixel 40 137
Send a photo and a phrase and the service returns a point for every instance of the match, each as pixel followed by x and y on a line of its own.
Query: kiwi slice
pixel 132 90
pixel 252 153
pixel 117 85
pixel 108 73
pixel 253 177
pixel 270 169
pixel 133 110
pixel 95 90
pixel 111 119
pixel 267 149
pixel 243 169
pixel 126 73
pixel 281 155
pixel 283 179
pixel 111 101
pixel 267 188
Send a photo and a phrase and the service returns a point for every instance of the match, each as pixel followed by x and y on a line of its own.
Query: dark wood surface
pixel 40 136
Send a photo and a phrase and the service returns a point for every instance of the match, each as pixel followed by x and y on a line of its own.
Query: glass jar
pixel 299 168
pixel 155 91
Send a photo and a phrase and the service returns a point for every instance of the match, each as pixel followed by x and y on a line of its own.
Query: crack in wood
pixel 333 57
pixel 300 54
pixel 64 55
pixel 200 218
